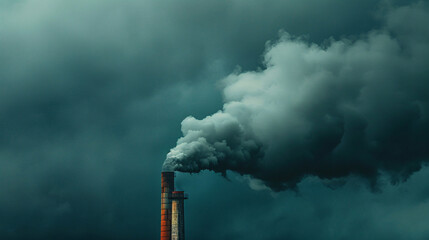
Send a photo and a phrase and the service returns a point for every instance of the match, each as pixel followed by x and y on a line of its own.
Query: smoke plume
pixel 346 107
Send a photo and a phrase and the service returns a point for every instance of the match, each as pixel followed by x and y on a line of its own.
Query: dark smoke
pixel 348 107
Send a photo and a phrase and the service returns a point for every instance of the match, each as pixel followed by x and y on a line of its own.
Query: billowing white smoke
pixel 352 107
pixel 218 142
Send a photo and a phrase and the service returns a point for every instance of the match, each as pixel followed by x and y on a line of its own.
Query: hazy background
pixel 92 95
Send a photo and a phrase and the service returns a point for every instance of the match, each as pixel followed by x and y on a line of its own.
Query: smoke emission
pixel 344 107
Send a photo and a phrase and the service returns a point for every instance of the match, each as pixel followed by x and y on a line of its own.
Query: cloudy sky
pixel 297 119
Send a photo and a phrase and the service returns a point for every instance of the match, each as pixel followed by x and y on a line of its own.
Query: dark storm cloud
pixel 316 212
pixel 92 93
pixel 352 107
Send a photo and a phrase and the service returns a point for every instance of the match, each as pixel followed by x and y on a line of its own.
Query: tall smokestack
pixel 167 187
pixel 178 215
pixel 172 209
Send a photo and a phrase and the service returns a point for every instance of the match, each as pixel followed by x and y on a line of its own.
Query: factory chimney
pixel 172 209
pixel 178 215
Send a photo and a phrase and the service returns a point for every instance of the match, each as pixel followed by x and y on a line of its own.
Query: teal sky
pixel 93 95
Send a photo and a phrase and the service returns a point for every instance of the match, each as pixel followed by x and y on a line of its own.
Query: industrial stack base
pixel 172 209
